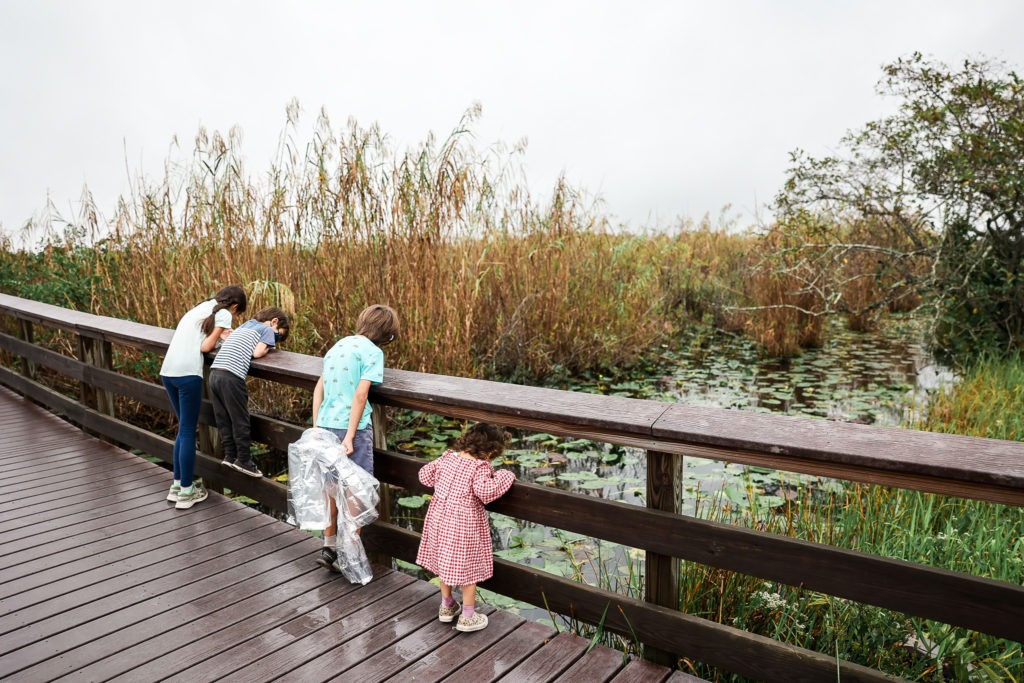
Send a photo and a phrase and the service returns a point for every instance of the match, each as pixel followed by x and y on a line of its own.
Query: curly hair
pixel 483 441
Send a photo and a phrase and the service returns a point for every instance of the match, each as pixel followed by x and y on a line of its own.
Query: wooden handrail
pixel 971 467
pixel 948 464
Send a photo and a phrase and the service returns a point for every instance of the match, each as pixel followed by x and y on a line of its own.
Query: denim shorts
pixel 362 446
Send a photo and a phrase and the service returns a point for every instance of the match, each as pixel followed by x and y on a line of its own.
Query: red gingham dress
pixel 456 543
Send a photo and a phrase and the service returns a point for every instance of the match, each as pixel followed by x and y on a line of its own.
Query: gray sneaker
pixel 192 495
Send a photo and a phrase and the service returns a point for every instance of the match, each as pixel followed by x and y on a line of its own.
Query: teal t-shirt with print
pixel 348 362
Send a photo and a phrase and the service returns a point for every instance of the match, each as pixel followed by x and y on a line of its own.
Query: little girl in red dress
pixel 456 543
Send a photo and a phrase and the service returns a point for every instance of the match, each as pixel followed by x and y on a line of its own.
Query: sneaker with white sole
pixel 448 614
pixel 246 468
pixel 477 622
pixel 188 497
pixel 329 559
pixel 172 495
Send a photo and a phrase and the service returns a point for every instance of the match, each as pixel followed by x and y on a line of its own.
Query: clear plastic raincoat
pixel 318 468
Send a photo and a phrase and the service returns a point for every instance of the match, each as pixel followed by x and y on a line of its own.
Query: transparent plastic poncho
pixel 317 469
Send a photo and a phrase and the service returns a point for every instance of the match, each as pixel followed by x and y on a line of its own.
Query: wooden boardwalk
pixel 102 579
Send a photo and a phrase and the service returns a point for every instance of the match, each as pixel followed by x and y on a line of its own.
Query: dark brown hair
pixel 378 323
pixel 265 315
pixel 227 297
pixel 484 441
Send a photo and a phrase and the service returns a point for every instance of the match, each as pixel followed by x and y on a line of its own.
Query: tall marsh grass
pixel 488 280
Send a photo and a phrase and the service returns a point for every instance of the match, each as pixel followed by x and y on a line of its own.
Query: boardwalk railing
pixel 969 467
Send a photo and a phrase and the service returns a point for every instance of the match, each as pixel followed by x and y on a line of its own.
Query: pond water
pixel 881 378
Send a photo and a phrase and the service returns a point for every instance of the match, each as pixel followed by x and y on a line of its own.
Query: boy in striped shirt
pixel 228 391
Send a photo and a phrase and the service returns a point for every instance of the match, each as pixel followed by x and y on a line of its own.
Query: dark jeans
pixel 186 395
pixel 230 398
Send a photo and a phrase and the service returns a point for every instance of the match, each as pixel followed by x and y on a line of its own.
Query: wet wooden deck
pixel 102 579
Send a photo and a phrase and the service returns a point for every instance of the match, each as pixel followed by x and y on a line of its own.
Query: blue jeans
pixel 186 397
pixel 362 446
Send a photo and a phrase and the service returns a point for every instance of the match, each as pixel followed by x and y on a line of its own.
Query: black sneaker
pixel 328 559
pixel 247 468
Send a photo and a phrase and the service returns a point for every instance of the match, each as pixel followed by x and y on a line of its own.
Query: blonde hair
pixel 378 323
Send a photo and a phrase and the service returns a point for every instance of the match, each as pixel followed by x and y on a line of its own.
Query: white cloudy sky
pixel 662 109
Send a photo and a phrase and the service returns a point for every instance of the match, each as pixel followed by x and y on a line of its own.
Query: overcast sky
pixel 664 110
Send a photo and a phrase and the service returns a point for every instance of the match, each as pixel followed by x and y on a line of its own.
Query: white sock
pixel 330 541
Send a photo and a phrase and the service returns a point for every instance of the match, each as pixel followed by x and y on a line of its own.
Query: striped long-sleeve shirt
pixel 235 354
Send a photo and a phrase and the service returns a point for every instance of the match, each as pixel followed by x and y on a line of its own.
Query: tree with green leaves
pixel 930 198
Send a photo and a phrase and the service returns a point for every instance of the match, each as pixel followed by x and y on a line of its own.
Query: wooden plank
pixel 385 629
pixel 600 664
pixel 209 630
pixel 52 517
pixel 138 514
pixel 520 405
pixel 496 661
pixel 64 586
pixel 385 665
pixel 314 649
pixel 267 491
pixel 71 645
pixel 549 662
pixel 52 485
pixel 117 554
pixel 52 489
pixel 639 671
pixel 439 662
pixel 681 677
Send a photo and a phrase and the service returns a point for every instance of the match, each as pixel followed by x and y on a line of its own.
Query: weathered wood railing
pixel 969 467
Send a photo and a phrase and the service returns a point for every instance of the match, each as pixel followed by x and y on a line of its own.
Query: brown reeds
pixel 488 281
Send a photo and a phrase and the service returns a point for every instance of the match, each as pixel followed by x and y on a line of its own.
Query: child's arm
pixel 489 485
pixel 358 405
pixel 261 350
pixel 210 343
pixel 428 474
pixel 318 397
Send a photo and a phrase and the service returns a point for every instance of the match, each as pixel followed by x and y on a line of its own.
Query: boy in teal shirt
pixel 340 399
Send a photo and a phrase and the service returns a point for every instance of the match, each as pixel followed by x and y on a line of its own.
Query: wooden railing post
pixel 25 333
pixel 97 353
pixel 209 437
pixel 380 442
pixel 661 587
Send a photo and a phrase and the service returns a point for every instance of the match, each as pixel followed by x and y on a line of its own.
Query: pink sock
pixel 468 611
pixel 447 602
